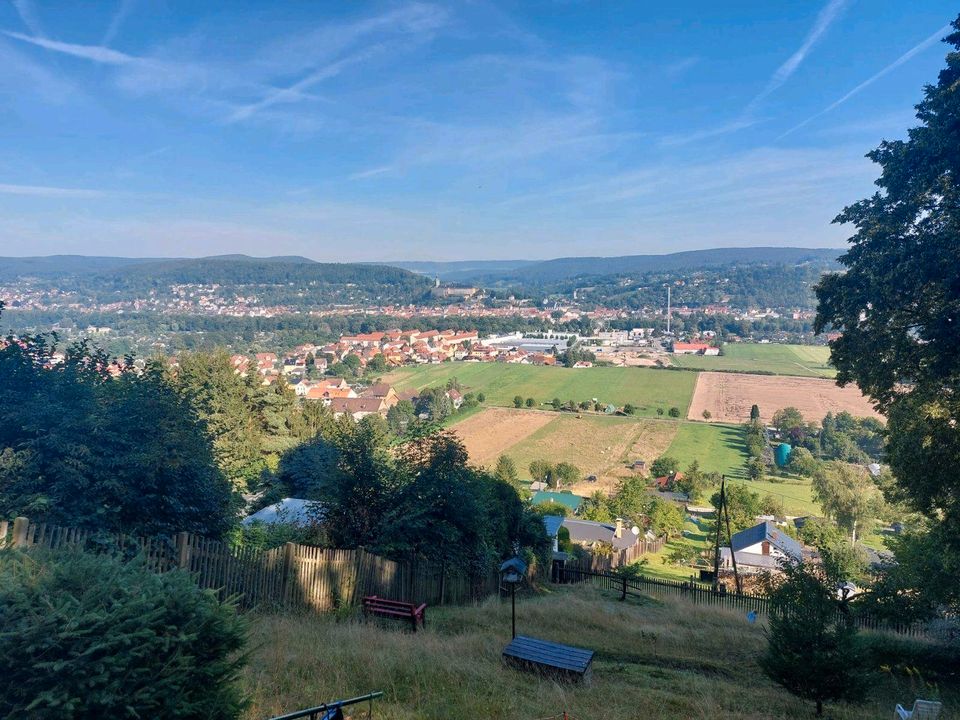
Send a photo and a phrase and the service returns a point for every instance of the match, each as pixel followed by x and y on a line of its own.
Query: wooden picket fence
pixel 291 577
pixel 595 562
pixel 696 593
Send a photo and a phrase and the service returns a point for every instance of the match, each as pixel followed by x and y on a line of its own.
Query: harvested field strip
pixel 491 432
pixel 729 396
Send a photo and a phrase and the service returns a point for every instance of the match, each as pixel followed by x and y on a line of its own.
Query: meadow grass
pixel 645 388
pixel 596 444
pixel 720 448
pixel 717 447
pixel 799 360
pixel 794 492
pixel 654 659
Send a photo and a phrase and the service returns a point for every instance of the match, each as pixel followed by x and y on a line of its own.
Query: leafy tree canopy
pixel 897 306
pixel 81 448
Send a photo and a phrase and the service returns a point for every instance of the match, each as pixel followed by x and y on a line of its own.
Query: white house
pixel 761 547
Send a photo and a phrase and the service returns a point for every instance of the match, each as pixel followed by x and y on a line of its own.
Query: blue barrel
pixel 782 454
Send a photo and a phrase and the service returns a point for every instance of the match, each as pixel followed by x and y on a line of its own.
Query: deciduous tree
pixel 897 305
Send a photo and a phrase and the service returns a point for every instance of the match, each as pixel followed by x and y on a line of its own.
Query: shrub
pixel 531 402
pixel 517 401
pixel 481 397
pixel 548 507
pixel 90 636
pixel 664 465
pixel 812 650
pixel 674 412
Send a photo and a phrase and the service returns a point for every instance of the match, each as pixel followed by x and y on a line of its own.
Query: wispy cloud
pixel 49 192
pixel 731 127
pixel 94 53
pixel 126 7
pixel 825 18
pixel 938 35
pixel 679 67
pixel 747 118
pixel 297 91
pixel 28 16
pixel 372 172
pixel 327 51
pixel 20 76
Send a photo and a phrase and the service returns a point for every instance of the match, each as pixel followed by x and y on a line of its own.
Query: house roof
pixel 568 499
pixel 289 510
pixel 744 559
pixel 551 524
pixel 772 534
pixel 590 531
pixel 356 405
pixel 379 390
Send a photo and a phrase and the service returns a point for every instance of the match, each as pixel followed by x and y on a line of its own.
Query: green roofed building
pixel 570 500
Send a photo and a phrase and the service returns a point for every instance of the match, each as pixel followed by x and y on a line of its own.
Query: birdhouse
pixel 513 571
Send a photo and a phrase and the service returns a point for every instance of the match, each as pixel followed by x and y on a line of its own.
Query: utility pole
pixel 723 513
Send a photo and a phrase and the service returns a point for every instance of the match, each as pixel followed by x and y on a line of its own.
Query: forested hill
pixel 559 269
pixel 242 270
pixel 273 280
pixel 50 266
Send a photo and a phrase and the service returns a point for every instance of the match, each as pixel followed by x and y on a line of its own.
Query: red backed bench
pixel 416 614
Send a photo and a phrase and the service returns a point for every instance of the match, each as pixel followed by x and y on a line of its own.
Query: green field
pixel 801 360
pixel 719 448
pixel 795 494
pixel 716 446
pixel 645 388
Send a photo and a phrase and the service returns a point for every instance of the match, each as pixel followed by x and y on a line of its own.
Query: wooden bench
pixel 560 661
pixel 416 614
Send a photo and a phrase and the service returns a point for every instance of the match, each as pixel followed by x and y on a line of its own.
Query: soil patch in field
pixel 493 430
pixel 729 396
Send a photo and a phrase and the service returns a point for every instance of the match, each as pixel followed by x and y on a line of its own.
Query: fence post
pixel 20 526
pixel 3 532
pixel 289 550
pixel 623 591
pixel 183 550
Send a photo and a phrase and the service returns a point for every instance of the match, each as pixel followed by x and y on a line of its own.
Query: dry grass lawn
pixel 597 444
pixel 654 661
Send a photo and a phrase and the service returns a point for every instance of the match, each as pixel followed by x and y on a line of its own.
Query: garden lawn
pixel 645 388
pixel 657 567
pixel 800 360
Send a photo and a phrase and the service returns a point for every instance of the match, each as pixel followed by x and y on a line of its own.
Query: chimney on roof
pixel 618 532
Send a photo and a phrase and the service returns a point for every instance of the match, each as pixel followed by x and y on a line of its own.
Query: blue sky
pixel 410 130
